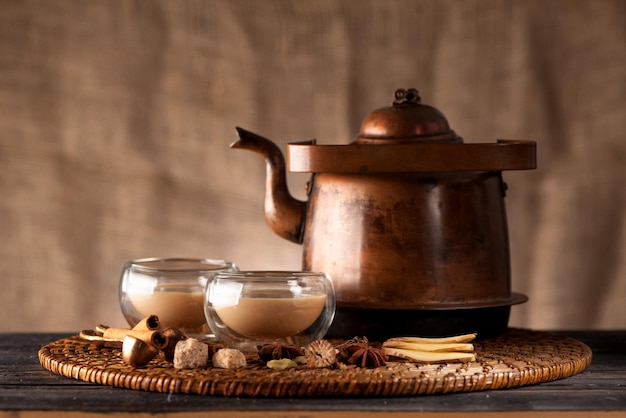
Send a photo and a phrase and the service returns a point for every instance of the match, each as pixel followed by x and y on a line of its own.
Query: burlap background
pixel 116 116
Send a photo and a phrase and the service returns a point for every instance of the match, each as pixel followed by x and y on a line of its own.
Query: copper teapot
pixel 407 219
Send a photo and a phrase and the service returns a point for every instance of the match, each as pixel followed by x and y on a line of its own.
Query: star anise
pixel 277 351
pixel 358 351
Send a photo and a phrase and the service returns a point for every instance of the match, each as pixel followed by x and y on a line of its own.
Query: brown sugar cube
pixel 229 358
pixel 190 353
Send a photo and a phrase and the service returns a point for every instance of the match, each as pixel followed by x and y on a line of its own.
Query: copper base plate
pixel 516 358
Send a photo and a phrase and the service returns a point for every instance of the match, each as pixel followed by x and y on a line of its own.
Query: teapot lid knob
pixel 402 96
pixel 406 121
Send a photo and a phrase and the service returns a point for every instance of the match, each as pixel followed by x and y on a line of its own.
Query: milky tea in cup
pixel 171 288
pixel 246 309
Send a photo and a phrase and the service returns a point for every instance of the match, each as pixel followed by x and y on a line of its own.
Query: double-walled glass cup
pixel 250 308
pixel 171 288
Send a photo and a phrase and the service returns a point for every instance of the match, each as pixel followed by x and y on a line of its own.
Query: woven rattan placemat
pixel 517 358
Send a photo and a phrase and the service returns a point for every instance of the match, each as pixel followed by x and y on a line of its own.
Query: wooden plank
pixel 318 414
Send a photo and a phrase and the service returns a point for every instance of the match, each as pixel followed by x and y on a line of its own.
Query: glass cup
pixel 251 308
pixel 171 288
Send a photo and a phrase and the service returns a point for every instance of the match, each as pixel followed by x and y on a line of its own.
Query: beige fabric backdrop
pixel 116 116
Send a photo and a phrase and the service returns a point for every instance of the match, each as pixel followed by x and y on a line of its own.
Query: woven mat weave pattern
pixel 517 358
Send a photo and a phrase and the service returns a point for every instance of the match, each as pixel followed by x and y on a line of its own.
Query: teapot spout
pixel 283 213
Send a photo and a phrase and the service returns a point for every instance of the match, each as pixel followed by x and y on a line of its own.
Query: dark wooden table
pixel 27 389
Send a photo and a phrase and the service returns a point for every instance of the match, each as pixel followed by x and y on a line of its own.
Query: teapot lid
pixel 409 137
pixel 406 121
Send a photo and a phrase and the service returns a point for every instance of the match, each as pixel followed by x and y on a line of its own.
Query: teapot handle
pixel 416 157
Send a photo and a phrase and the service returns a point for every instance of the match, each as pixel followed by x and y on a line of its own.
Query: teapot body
pixel 409 241
pixel 403 243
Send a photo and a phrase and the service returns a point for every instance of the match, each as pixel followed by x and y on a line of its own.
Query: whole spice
pixel 320 353
pixel 277 351
pixel 173 335
pixel 359 352
pixel 106 333
pixel 149 323
pixel 282 364
pixel 137 352
pixel 432 350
